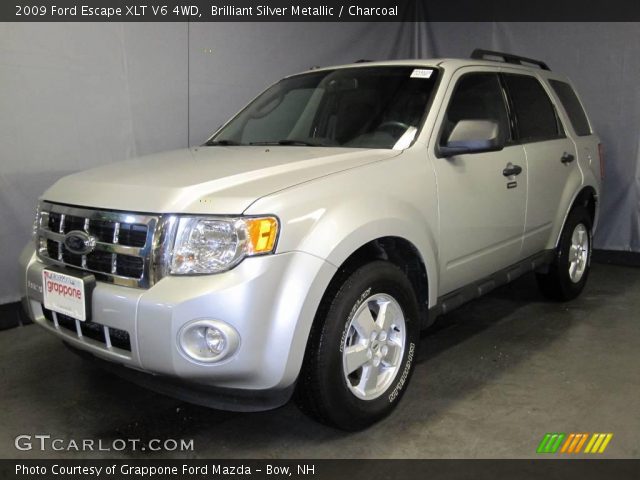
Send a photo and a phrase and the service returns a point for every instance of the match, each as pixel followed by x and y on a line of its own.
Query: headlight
pixel 211 245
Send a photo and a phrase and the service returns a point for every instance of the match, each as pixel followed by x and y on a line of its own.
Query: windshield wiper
pixel 224 143
pixel 287 141
pixel 298 142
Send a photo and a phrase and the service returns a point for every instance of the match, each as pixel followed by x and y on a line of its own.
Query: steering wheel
pixel 393 125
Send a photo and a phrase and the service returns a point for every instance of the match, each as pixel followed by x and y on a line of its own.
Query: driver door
pixel 481 207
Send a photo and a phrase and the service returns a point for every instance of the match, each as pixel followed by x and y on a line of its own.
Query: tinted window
pixel 363 107
pixel 277 123
pixel 478 96
pixel 572 106
pixel 535 115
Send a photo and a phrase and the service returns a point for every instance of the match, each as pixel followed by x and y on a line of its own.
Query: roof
pixel 446 63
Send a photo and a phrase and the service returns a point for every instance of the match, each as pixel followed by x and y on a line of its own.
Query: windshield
pixel 364 107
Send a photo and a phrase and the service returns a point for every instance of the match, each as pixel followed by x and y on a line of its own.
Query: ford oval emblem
pixel 79 242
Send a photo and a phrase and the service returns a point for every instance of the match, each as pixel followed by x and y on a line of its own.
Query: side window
pixel 572 106
pixel 477 96
pixel 535 116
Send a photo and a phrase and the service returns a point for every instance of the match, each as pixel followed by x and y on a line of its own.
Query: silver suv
pixel 301 250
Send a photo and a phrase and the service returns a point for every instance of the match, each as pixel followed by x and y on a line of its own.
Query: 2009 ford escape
pixel 304 246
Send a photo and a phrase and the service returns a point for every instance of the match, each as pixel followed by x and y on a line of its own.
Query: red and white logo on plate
pixel 64 294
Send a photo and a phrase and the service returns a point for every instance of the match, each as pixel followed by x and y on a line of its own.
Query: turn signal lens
pixel 262 233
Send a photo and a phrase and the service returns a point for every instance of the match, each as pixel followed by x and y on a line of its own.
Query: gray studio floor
pixel 492 378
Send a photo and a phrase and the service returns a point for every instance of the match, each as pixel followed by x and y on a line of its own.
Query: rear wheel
pixel 568 273
pixel 361 349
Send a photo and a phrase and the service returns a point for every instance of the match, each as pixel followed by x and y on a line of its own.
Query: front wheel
pixel 362 348
pixel 568 273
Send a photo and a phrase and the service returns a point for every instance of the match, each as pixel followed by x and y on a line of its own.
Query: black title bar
pixel 317 10
pixel 319 469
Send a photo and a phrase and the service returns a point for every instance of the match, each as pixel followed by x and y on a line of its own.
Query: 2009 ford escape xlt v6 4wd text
pixel 301 249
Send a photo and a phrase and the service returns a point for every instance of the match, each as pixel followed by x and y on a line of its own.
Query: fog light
pixel 215 340
pixel 208 340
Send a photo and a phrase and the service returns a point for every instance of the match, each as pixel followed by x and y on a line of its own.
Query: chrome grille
pixel 124 242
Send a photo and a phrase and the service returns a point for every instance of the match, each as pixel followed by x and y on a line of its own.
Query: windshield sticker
pixel 421 73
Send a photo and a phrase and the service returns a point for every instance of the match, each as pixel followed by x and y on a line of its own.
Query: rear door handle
pixel 511 170
pixel 567 158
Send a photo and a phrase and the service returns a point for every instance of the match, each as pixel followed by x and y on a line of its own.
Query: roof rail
pixel 480 54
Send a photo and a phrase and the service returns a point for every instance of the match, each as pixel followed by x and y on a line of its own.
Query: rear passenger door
pixel 550 156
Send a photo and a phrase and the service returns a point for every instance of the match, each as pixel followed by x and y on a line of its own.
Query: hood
pixel 205 180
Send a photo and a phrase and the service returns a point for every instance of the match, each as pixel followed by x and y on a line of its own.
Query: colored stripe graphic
pixel 598 442
pixel 570 438
pixel 581 443
pixel 572 443
pixel 550 443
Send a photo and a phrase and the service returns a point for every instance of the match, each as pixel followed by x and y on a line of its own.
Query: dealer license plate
pixel 64 294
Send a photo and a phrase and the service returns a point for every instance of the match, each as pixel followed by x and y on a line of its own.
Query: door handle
pixel 567 158
pixel 511 170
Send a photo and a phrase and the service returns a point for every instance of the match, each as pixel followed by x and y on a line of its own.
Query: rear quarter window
pixel 572 106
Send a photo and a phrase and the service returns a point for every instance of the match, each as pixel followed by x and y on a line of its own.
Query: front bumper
pixel 270 301
pixel 221 398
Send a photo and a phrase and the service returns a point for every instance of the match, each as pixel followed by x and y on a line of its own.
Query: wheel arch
pixel 400 252
pixel 586 197
pixel 397 249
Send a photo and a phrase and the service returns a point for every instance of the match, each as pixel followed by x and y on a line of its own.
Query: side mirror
pixel 473 136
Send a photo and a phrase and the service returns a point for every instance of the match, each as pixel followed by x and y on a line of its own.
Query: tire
pixel 567 275
pixel 351 311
